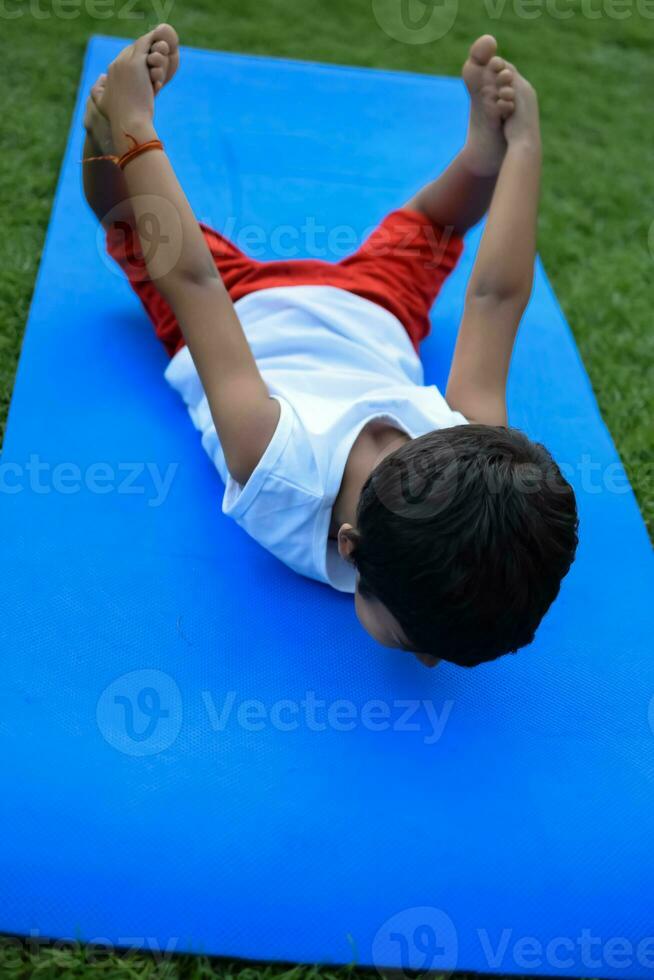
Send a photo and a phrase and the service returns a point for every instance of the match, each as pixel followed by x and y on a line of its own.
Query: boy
pixel 452 530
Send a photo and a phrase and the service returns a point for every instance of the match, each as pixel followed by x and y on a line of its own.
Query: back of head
pixel 465 535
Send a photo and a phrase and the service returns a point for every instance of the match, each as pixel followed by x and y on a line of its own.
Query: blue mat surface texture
pixel 201 750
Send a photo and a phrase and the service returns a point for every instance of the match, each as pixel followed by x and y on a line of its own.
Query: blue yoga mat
pixel 200 750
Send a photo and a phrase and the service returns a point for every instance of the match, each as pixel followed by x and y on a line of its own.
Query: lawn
pixel 591 62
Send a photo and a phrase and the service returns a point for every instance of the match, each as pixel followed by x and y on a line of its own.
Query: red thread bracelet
pixel 131 154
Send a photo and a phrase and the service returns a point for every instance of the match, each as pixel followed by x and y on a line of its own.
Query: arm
pixel 181 265
pixel 502 278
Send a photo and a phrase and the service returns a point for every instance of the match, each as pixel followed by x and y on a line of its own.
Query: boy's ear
pixel 348 539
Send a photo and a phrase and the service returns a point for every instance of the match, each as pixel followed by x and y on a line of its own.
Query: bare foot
pixel 163 62
pixel 490 82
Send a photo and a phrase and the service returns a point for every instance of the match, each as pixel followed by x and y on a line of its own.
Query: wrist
pixel 528 142
pixel 139 128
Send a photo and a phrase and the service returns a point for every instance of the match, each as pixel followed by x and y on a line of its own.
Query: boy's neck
pixel 376 440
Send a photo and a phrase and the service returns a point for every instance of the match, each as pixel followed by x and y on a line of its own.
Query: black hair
pixel 464 534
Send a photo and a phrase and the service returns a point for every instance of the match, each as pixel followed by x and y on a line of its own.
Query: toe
pixel 99 83
pixel 505 108
pixel 483 49
pixel 507 94
pixel 505 77
pixel 97 90
pixel 497 64
pixel 164 32
pixel 157 66
pixel 160 47
pixel 166 41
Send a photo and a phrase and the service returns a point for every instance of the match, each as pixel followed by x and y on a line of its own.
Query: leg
pixel 460 197
pixel 104 185
pixel 239 273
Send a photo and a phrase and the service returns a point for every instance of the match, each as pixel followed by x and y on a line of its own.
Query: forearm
pixel 175 251
pixel 181 266
pixel 499 290
pixel 504 267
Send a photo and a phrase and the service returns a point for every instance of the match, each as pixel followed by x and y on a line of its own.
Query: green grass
pixel 71 962
pixel 595 78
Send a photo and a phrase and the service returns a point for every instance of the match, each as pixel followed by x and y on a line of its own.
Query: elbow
pixel 183 279
pixel 242 466
pixel 478 406
pixel 494 294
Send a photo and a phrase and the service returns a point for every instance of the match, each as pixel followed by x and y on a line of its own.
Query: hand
pixel 129 96
pixel 524 122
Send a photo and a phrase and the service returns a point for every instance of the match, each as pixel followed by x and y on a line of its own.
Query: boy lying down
pixel 452 530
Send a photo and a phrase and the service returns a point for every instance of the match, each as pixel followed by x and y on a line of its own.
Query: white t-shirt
pixel 334 361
